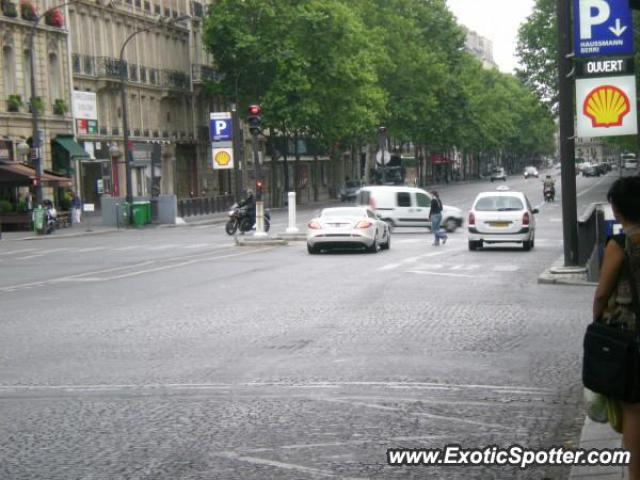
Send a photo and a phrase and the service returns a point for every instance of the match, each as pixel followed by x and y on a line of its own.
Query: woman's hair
pixel 624 194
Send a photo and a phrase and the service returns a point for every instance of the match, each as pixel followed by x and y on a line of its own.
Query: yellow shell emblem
pixel 606 106
pixel 222 158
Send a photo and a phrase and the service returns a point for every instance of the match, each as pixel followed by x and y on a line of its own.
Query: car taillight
pixel 525 219
pixel 363 224
pixel 314 225
pixel 472 218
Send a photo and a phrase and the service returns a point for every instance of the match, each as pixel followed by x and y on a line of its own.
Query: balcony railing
pixel 175 80
pixel 108 67
pixel 205 73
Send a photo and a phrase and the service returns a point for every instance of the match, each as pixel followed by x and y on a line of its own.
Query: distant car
pixel 501 217
pixel 402 206
pixel 498 174
pixel 630 164
pixel 351 187
pixel 348 227
pixel 590 170
pixel 531 172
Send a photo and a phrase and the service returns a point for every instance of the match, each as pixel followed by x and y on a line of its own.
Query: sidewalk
pixel 74 231
pixel 594 435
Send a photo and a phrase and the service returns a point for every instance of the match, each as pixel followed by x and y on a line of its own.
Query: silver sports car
pixel 347 227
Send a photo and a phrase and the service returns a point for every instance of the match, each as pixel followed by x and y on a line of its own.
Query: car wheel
pixel 450 225
pixel 492 180
pixel 473 245
pixel 504 179
pixel 386 245
pixel 526 245
pixel 390 223
pixel 374 247
pixel 533 242
pixel 312 250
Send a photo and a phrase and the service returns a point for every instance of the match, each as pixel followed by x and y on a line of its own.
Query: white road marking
pixel 409 240
pixel 591 187
pixel 29 257
pixel 391 266
pixel 25 250
pixel 312 472
pixel 196 245
pixel 53 250
pixel 506 268
pixel 130 247
pixel 163 247
pixel 457 275
pixel 89 249
pixel 466 268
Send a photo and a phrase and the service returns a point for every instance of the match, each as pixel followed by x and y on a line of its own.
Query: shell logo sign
pixel 606 106
pixel 222 158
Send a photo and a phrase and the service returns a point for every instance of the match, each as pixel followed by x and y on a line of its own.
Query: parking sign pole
pixel 567 135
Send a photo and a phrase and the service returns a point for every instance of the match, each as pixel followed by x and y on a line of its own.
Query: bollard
pixel 292 214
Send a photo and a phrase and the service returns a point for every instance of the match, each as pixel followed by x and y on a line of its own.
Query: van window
pixel 404 199
pixel 363 197
pixel 423 200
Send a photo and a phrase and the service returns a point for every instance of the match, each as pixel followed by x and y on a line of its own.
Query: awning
pixel 19 174
pixel 74 150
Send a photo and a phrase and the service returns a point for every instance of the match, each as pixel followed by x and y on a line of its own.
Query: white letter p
pixel 587 21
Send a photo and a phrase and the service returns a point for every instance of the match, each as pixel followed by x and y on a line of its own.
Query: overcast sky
pixel 498 20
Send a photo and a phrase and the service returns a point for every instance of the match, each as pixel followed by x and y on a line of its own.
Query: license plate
pixel 499 224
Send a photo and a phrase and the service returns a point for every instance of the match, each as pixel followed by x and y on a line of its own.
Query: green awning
pixel 74 150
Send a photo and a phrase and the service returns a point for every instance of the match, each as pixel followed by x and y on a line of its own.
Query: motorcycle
pixel 239 219
pixel 549 194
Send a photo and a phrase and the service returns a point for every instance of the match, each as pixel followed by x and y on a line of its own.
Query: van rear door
pixel 412 209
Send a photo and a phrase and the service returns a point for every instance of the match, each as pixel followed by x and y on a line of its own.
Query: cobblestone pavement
pixel 174 355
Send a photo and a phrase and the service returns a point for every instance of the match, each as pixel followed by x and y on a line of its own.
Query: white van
pixel 401 206
pixel 629 161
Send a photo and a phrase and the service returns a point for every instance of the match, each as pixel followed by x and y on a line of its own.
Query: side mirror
pixel 535 211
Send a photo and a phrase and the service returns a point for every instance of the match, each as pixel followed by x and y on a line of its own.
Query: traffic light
pixel 258 190
pixel 254 119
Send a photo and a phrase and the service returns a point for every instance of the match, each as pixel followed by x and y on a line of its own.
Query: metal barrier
pixel 188 207
pixel 591 239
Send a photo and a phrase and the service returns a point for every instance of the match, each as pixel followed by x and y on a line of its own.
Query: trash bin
pixel 147 212
pixel 38 221
pixel 138 214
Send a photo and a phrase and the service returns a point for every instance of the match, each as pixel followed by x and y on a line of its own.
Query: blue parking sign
pixel 221 127
pixel 602 28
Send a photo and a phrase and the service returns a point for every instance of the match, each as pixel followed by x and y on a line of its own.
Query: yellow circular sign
pixel 222 158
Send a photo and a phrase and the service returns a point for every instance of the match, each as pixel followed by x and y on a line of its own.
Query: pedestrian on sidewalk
pixel 76 205
pixel 613 300
pixel 435 215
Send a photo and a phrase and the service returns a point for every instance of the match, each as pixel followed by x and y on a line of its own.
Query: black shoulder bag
pixel 611 362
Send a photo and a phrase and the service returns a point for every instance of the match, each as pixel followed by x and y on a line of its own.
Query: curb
pixel 69 235
pixel 293 237
pixel 257 242
pixel 554 275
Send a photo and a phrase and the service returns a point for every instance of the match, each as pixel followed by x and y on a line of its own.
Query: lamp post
pixel 36 154
pixel 123 95
pixel 115 153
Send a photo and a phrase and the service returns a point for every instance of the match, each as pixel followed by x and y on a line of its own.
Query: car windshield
pixel 343 212
pixel 499 204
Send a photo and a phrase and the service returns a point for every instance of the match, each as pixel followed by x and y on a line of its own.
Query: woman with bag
pixel 615 301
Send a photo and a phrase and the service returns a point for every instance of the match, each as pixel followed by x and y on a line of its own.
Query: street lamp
pixel 123 95
pixel 35 137
pixel 114 153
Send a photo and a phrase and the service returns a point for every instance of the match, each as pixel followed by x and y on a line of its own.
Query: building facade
pixel 481 48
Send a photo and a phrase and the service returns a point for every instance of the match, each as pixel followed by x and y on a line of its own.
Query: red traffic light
pixel 254 110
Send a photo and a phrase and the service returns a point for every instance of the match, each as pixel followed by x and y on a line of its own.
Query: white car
pixel 502 217
pixel 402 206
pixel 498 174
pixel 531 172
pixel 348 227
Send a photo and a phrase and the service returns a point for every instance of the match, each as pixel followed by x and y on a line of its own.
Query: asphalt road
pixel 173 354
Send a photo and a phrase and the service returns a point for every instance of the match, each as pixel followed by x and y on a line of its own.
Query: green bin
pixel 139 214
pixel 147 209
pixel 38 220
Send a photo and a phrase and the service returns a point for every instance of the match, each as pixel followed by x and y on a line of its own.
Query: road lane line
pixel 197 245
pixel 89 249
pixel 163 247
pixel 587 190
pixel 312 472
pixel 25 250
pixel 29 257
pixel 457 275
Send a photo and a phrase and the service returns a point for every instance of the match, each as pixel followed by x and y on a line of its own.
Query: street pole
pixel 123 96
pixel 567 135
pixel 382 138
pixel 237 151
pixel 258 174
pixel 35 135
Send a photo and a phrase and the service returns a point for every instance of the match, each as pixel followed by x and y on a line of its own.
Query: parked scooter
pixel 240 219
pixel 50 217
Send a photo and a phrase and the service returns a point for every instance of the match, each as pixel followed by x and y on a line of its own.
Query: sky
pixel 497 20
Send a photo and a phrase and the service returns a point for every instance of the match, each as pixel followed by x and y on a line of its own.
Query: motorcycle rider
pixel 549 184
pixel 250 204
